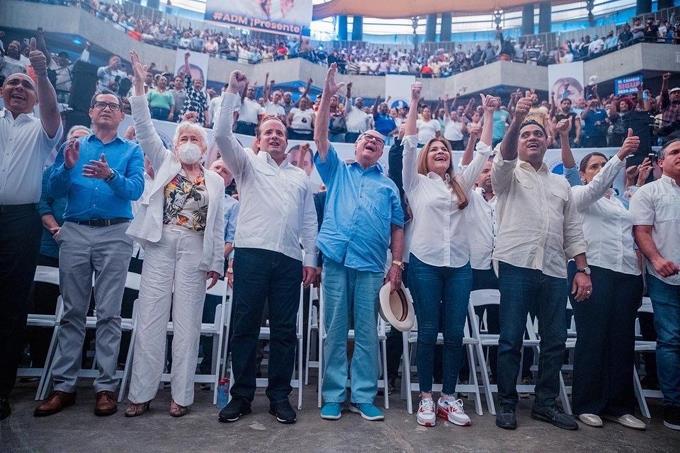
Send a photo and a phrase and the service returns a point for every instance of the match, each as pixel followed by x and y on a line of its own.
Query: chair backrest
pixel 481 297
pixel 132 281
pixel 646 306
pixel 47 274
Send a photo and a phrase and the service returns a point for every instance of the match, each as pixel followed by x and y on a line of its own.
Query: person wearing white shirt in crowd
pixel 301 120
pixel 454 130
pixel 214 107
pixel 656 212
pixel 273 107
pixel 26 142
pixel 180 224
pixel 538 229
pixel 605 346
pixel 428 127
pixel 439 263
pixel 249 113
pixel 356 119
pixel 276 215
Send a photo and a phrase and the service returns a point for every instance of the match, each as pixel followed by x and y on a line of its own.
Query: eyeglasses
pixel 111 105
pixel 374 139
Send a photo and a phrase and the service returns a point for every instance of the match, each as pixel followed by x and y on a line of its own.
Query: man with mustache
pixel 539 228
pixel 276 215
pixel 26 142
pixel 363 217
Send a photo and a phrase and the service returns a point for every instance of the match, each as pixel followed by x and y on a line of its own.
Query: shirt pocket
pixel 668 208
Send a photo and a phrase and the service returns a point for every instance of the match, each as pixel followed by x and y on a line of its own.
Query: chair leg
pixel 473 378
pixel 299 370
pixel 320 377
pixel 639 395
pixel 383 344
pixel 485 379
pixel 566 405
pixel 406 372
pixel 128 365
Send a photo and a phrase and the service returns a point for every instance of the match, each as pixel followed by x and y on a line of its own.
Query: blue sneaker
pixel 331 411
pixel 367 410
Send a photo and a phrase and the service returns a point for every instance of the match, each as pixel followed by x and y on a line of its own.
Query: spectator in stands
pixel 109 170
pixel 28 141
pixel 605 348
pixel 638 30
pixel 287 102
pixel 670 109
pixel 268 262
pixel 626 36
pixel 595 124
pixel 455 130
pixel 63 69
pixel 501 119
pixel 179 96
pixel 354 243
pixel 651 32
pixel 12 61
pixel 428 127
pixel 196 100
pixel 612 42
pixel 440 275
pixel 656 214
pixel 533 271
pixel 249 114
pixel 356 119
pixel 161 101
pixel 214 107
pixel 565 112
pixel 301 120
pixel 337 126
pixel 106 75
pixel 384 123
pixel 181 227
pixel 489 53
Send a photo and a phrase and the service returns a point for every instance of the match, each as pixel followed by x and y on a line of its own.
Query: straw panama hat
pixel 397 308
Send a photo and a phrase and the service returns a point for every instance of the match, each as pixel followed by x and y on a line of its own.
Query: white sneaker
pixel 426 415
pixel 452 410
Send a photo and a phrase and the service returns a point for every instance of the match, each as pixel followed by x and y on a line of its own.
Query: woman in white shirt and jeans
pixel 439 264
pixel 604 354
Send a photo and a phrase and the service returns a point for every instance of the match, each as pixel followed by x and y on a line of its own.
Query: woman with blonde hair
pixel 180 224
pixel 439 270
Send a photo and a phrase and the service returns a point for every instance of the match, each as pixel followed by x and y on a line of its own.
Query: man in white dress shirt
pixel 539 229
pixel 25 144
pixel 656 212
pixel 276 215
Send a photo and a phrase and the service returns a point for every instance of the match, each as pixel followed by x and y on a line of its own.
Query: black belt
pixel 100 222
pixel 7 208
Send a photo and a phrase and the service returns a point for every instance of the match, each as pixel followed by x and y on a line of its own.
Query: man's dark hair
pixel 105 91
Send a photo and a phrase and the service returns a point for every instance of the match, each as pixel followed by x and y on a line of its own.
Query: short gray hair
pixel 76 128
pixel 188 125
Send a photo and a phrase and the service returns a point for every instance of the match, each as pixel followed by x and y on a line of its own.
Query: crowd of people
pixel 500 219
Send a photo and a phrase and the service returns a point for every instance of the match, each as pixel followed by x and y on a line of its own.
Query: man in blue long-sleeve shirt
pixel 100 175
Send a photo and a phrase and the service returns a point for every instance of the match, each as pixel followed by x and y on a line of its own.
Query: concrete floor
pixel 77 430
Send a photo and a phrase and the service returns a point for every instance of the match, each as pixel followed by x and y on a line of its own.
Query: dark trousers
pixel 259 276
pixel 43 300
pixel 245 128
pixel 521 288
pixel 20 233
pixel 605 345
pixel 159 113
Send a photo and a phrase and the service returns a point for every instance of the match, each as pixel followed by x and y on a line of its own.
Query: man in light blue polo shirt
pixel 363 217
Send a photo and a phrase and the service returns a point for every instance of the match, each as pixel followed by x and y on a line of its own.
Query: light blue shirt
pixel 231 207
pixel 92 198
pixel 361 207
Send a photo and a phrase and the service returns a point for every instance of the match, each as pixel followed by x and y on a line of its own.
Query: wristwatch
pixel 400 264
pixel 585 270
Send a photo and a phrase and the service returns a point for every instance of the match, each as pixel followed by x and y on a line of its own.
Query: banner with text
pixel 627 85
pixel 566 81
pixel 276 16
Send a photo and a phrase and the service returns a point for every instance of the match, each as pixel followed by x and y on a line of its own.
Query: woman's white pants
pixel 170 263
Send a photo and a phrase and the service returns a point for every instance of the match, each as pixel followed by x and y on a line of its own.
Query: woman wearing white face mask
pixel 180 224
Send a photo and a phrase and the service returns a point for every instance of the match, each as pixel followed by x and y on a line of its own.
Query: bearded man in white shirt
pixel 656 212
pixel 538 230
pixel 276 215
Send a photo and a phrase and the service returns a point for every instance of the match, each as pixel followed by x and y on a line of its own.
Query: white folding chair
pixel 382 338
pixel 312 328
pixel 642 394
pixel 265 334
pixel 131 282
pixel 410 338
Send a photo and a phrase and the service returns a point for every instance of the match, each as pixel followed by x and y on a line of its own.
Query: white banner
pixel 552 157
pixel 198 65
pixel 566 81
pixel 278 16
pixel 398 87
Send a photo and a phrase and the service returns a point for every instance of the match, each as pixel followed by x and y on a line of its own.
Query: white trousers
pixel 170 263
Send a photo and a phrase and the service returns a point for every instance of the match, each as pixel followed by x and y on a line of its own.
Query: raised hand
pixel 98 169
pixel 416 89
pixel 563 127
pixel 475 130
pixel 140 71
pixel 522 108
pixel 630 145
pixel 490 103
pixel 71 154
pixel 331 87
pixel 38 59
pixel 238 82
pixel 632 174
pixel 644 169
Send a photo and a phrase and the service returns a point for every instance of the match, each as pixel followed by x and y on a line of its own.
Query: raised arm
pixel 472 171
pixel 511 140
pixel 49 110
pixel 475 131
pixel 409 172
pixel 321 133
pixel 307 87
pixel 348 98
pixel 231 150
pixel 147 137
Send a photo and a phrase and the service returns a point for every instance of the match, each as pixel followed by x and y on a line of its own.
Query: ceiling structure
pixel 394 9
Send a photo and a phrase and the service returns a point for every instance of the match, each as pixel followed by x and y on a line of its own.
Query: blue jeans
pixel 436 290
pixel 521 288
pixel 666 303
pixel 348 291
pixel 159 113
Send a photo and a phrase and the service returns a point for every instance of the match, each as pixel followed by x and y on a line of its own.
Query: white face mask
pixel 189 153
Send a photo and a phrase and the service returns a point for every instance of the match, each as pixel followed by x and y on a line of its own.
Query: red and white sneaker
pixel 426 415
pixel 452 410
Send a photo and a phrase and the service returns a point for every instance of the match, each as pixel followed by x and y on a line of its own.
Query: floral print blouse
pixel 186 203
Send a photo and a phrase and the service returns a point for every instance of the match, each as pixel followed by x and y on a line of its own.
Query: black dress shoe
pixel 234 410
pixel 506 418
pixel 555 417
pixel 283 412
pixel 5 410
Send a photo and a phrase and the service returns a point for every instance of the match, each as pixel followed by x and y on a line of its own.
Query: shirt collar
pixel 669 180
pixel 92 137
pixel 527 166
pixel 5 113
pixel 377 167
pixel 268 158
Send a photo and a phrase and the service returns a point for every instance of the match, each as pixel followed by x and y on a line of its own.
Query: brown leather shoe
pixel 106 404
pixel 56 402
